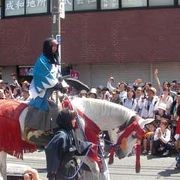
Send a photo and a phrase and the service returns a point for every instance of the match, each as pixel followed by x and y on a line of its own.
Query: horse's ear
pixel 142 122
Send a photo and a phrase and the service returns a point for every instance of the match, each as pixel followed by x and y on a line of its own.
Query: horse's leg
pixel 3 165
pixel 93 172
pixel 105 175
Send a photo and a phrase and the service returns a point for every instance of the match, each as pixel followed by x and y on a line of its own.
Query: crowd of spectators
pixel 14 89
pixel 158 101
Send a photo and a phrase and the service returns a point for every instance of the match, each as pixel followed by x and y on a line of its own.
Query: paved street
pixel 152 168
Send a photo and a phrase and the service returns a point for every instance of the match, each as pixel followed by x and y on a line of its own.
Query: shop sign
pixel 16 7
pixel 85 4
pixel 74 74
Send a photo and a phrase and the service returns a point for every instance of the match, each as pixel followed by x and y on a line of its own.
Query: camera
pixel 16 177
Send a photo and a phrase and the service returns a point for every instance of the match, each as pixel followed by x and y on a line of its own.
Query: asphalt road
pixel 151 167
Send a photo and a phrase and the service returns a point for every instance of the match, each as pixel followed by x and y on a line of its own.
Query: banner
pixel 62 8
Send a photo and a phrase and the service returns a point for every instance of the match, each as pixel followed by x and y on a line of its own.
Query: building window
pixel 68 5
pixel 133 3
pixel 0 8
pixel 109 4
pixel 82 5
pixel 161 2
pixel 0 72
pixel 23 7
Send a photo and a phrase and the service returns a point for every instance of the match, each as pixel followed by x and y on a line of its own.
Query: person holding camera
pixel 31 174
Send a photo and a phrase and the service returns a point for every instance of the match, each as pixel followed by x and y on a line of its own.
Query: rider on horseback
pixel 45 75
pixel 42 113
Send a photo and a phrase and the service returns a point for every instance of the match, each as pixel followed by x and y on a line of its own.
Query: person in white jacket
pixel 162 138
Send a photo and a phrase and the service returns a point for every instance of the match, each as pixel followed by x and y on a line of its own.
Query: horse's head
pixel 129 137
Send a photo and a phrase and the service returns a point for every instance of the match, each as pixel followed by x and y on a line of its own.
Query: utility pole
pixel 58 12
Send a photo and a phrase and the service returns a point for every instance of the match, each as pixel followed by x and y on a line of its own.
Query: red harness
pixel 132 127
pixel 139 134
pixel 92 134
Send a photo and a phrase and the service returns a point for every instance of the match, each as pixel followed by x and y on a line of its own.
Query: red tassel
pixel 138 153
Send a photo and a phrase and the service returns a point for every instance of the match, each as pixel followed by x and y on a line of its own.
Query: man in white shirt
pixel 150 104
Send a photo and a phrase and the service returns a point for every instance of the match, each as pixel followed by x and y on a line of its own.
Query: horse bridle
pixel 139 133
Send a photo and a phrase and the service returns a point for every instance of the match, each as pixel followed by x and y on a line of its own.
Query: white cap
pixel 93 91
pixel 162 106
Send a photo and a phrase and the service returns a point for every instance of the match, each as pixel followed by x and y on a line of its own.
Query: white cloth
pixel 110 87
pixel 166 100
pixel 165 137
pixel 123 95
pixel 148 107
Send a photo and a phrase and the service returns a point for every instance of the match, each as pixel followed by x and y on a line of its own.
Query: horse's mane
pixel 105 114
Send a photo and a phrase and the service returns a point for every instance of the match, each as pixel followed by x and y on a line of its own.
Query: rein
pixel 79 166
pixel 139 134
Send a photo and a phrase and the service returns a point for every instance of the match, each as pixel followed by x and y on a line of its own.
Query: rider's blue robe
pixel 45 76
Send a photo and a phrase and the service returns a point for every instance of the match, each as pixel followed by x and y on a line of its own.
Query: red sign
pixel 74 74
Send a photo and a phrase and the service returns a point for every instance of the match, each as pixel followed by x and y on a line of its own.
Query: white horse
pixel 94 116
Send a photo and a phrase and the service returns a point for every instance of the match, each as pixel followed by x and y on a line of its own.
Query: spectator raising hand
pixel 109 84
pixel 156 72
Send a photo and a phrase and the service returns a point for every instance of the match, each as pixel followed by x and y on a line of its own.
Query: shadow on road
pixel 155 157
pixel 152 157
pixel 169 172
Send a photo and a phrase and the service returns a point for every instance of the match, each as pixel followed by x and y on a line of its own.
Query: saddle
pixel 39 125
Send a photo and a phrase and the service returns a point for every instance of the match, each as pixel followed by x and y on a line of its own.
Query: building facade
pixel 126 39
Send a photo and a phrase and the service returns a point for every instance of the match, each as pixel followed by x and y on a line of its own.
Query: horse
pixel 93 116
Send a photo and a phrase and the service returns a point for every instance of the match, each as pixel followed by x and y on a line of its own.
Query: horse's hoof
pixel 111 160
pixel 138 170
